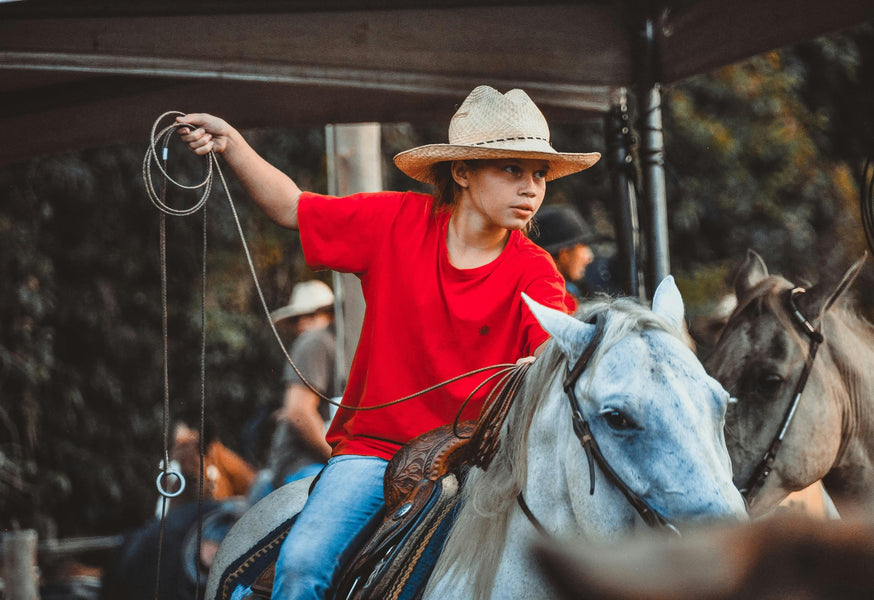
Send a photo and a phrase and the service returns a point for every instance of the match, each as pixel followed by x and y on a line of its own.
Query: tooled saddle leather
pixel 412 481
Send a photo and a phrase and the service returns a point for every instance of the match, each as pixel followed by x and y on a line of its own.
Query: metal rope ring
pixel 159 482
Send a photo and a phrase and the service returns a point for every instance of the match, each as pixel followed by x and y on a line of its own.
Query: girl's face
pixel 506 191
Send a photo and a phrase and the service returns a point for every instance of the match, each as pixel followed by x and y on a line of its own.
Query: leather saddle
pixel 421 482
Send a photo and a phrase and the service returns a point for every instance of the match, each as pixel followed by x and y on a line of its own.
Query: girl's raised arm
pixel 272 190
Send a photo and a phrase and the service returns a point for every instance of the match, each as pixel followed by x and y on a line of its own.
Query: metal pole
pixel 619 139
pixel 354 165
pixel 652 155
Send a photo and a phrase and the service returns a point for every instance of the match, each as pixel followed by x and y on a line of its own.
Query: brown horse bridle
pixel 593 452
pixel 815 338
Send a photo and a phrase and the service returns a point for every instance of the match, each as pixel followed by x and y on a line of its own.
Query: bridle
pixel 765 466
pixel 593 452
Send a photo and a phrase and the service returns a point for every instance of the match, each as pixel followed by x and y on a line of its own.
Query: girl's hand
pixel 206 133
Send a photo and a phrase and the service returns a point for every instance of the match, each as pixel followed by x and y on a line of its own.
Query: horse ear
pixel 667 302
pixel 570 334
pixel 750 273
pixel 822 296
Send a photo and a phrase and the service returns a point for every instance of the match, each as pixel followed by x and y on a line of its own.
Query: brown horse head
pixel 759 359
pixel 791 556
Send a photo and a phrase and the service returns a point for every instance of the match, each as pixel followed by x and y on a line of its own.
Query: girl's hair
pixel 446 189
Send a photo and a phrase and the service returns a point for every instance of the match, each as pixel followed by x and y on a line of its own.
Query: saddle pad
pixel 401 574
pixel 246 570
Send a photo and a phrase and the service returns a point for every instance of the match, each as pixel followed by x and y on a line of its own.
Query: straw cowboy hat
pixel 489 124
pixel 307 297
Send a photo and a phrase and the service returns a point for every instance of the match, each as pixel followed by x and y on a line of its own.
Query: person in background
pixel 561 230
pixel 298 448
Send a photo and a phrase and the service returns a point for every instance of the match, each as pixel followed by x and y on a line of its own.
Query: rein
pixel 593 452
pixel 765 466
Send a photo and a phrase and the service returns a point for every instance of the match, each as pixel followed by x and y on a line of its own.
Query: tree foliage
pixel 762 155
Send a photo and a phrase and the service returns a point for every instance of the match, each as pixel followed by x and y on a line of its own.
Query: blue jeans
pixel 304 472
pixel 263 485
pixel 344 507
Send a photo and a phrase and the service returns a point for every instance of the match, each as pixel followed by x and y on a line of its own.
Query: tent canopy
pixel 93 72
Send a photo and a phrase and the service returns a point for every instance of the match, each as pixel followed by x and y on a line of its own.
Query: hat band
pixel 511 139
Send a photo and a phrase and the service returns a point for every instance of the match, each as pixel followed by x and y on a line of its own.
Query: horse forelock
pixel 759 296
pixel 769 297
pixel 622 317
pixel 766 298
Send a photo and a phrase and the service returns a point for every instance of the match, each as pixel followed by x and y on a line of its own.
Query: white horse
pixel 645 409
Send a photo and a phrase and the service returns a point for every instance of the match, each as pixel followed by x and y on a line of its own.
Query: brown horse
pixel 789 556
pixel 799 365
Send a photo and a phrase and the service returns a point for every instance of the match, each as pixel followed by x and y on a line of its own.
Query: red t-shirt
pixel 570 304
pixel 426 321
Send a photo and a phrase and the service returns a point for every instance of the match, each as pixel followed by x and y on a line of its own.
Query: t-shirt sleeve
pixel 547 289
pixel 344 234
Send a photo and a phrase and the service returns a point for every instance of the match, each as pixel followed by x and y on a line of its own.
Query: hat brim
pixel 290 310
pixel 585 240
pixel 418 162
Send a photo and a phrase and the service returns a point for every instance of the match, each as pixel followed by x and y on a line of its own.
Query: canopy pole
pixel 652 157
pixel 617 127
pixel 652 154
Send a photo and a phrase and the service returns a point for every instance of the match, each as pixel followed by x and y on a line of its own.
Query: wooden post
pixel 354 165
pixel 19 565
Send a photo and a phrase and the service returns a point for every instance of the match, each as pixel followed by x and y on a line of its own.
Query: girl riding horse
pixel 442 277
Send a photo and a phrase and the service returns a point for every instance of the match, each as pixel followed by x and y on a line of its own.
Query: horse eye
pixel 616 420
pixel 769 384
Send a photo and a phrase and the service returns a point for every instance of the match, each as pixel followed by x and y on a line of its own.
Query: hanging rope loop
pixel 154 159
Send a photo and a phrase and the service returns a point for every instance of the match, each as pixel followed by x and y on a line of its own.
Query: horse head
pixel 651 412
pixel 761 358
